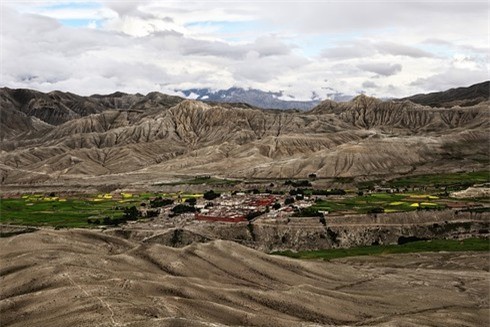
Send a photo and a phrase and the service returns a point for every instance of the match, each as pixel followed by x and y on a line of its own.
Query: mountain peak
pixel 193 105
pixel 253 97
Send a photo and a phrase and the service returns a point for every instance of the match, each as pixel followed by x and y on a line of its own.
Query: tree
pixel 160 202
pixel 253 214
pixel 131 213
pixel 191 201
pixel 288 201
pixel 211 195
pixel 182 208
pixel 376 210
pixel 308 212
pixel 276 206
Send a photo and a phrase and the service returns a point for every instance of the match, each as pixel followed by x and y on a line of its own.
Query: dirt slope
pixel 61 136
pixel 87 278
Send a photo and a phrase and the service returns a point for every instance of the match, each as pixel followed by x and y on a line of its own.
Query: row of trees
pixel 129 213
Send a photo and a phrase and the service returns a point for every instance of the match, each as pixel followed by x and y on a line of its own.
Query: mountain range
pixel 61 137
pixel 254 97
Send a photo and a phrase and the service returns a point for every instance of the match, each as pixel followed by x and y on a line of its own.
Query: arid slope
pixel 60 137
pixel 88 278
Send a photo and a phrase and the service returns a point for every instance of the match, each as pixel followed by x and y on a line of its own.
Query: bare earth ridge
pixel 89 278
pixel 122 139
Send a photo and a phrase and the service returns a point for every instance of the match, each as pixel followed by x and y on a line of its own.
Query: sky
pixel 305 49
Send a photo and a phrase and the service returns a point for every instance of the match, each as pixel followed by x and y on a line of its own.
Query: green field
pixel 389 203
pixel 69 213
pixel 73 211
pixel 451 180
pixel 472 244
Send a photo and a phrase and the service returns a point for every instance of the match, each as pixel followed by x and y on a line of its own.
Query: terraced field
pixel 381 202
pixel 73 210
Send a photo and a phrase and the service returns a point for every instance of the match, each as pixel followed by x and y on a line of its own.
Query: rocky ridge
pixel 60 136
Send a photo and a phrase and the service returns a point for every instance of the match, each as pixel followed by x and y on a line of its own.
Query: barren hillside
pixel 61 136
pixel 88 278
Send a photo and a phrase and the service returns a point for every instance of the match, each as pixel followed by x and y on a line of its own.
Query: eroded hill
pixel 61 136
pixel 89 278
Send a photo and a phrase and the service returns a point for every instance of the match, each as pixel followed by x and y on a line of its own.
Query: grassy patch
pixel 365 203
pixel 63 212
pixel 69 213
pixel 472 244
pixel 389 202
pixel 450 180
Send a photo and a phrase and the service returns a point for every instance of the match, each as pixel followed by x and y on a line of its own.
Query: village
pixel 272 201
pixel 231 207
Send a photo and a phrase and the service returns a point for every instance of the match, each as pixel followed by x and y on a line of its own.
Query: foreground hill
pixel 127 138
pixel 88 278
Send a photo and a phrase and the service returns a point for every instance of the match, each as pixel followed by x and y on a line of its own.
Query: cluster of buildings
pixel 236 208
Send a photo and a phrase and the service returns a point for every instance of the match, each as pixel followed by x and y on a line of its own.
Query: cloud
pixel 450 78
pixel 353 50
pixel 401 50
pixel 127 8
pixel 369 85
pixel 162 46
pixel 381 68
pixel 367 48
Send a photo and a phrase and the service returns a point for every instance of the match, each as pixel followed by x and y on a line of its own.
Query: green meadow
pixel 471 244
pixel 451 180
pixel 386 201
pixel 66 213
pixel 73 211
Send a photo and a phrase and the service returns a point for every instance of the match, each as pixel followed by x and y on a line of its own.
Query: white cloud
pixel 163 46
pixel 381 68
pixel 369 85
pixel 450 78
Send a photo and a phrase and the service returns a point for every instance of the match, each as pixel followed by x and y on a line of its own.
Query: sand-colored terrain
pixel 120 140
pixel 89 278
